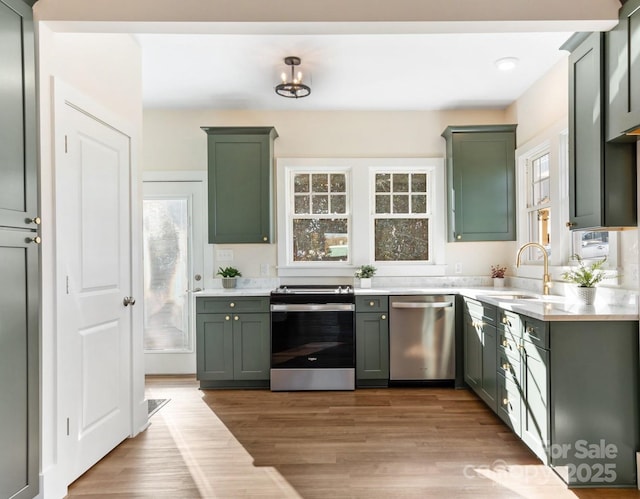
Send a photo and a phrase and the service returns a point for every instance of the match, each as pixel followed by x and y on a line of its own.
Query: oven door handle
pixel 406 304
pixel 313 307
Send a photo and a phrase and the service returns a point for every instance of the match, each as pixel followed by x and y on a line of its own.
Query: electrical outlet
pixel 458 268
pixel 224 255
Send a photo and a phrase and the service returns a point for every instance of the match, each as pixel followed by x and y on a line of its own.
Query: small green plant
pixel 366 272
pixel 498 271
pixel 585 275
pixel 229 272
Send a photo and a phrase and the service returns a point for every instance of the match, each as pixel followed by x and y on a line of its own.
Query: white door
pixel 93 254
pixel 173 269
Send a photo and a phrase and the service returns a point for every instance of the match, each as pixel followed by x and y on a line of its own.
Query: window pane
pixel 419 182
pixel 166 274
pixel 402 239
pixel 320 240
pixel 301 205
pixel 320 182
pixel 539 232
pixel 339 203
pixel 591 244
pixel 418 203
pixel 400 203
pixel 383 182
pixel 320 204
pixel 338 182
pixel 383 203
pixel 301 183
pixel 400 182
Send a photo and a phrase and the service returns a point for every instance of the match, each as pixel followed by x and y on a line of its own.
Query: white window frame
pixel 361 232
pixel 555 140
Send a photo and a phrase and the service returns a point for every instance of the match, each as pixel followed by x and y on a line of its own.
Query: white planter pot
pixel 498 282
pixel 586 296
pixel 365 282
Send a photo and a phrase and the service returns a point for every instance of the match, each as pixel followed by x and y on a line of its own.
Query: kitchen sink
pixel 513 297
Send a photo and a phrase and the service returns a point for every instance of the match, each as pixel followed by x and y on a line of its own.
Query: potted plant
pixel 586 276
pixel 365 273
pixel 497 274
pixel 229 275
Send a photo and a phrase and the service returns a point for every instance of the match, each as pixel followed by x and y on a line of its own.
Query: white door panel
pixel 94 266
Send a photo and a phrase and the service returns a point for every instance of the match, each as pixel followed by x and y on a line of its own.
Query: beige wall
pixel 173 140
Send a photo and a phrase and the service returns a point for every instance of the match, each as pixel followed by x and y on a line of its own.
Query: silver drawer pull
pixel 407 304
pixel 312 359
pixel 313 307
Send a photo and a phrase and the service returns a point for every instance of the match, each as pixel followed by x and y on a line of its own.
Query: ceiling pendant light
pixel 293 88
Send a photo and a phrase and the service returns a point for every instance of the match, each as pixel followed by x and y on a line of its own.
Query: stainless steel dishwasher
pixel 422 337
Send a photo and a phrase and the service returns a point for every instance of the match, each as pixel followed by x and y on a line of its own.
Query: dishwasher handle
pixel 410 304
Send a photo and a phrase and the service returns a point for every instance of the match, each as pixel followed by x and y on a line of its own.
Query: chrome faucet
pixel 546 279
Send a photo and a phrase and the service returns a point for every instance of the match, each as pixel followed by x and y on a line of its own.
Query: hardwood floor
pixel 373 443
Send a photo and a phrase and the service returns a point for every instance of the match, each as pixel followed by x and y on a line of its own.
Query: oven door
pixel 312 336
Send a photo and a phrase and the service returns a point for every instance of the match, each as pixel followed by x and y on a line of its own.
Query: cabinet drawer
pixel 372 303
pixel 213 305
pixel 509 403
pixel 510 321
pixel 508 344
pixel 508 366
pixel 535 331
pixel 479 311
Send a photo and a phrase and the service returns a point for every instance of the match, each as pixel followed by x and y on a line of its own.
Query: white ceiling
pixel 345 71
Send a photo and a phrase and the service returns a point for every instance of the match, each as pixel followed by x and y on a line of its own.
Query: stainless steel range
pixel 312 338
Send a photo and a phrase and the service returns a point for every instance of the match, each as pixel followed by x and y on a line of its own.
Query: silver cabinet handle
pixel 128 300
pixel 313 307
pixel 407 304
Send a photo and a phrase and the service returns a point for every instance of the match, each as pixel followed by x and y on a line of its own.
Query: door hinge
pixel 66 144
pixel 67 427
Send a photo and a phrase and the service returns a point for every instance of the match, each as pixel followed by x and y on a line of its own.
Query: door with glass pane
pixel 173 261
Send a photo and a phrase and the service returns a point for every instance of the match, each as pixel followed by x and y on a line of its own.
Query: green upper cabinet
pixel 241 191
pixel 18 150
pixel 481 197
pixel 602 175
pixel 623 73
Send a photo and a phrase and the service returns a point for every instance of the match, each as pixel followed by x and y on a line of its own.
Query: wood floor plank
pixel 373 443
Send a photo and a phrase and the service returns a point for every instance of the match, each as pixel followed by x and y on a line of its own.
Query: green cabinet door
pixel 472 353
pixel 240 180
pixel 594 402
pixel 251 346
pixel 535 399
pixel 372 340
pixel 214 346
pixel 372 348
pixel 19 366
pixel 623 73
pixel 488 387
pixel 481 182
pixel 602 175
pixel 18 149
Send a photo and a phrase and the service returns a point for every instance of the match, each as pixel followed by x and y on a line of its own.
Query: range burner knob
pixel 338 289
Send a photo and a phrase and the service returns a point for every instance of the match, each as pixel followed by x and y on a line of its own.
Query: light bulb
pixel 283 76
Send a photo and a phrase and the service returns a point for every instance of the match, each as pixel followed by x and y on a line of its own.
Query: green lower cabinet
pixel 233 350
pixel 594 402
pixel 372 341
pixel 479 337
pixel 535 429
pixel 509 403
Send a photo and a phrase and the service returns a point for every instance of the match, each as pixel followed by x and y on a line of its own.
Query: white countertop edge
pixel 556 308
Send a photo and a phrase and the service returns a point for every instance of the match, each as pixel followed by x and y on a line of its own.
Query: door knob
pixel 128 300
pixel 197 277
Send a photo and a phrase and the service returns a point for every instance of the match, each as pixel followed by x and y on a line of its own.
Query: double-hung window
pixel 337 214
pixel 539 202
pixel 318 215
pixel 402 208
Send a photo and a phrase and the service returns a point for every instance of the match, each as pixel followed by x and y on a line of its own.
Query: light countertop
pixel 546 308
